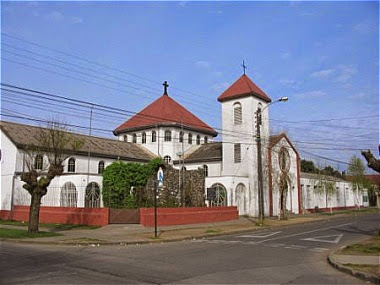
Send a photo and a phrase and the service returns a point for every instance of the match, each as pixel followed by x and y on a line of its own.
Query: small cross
pixel 244 66
pixel 166 85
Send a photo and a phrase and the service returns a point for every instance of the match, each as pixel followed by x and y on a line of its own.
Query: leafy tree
pixel 119 180
pixel 53 142
pixel 356 169
pixel 308 166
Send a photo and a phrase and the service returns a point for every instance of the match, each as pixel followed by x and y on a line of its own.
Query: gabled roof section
pixel 26 135
pixel 206 152
pixel 243 87
pixel 165 111
pixel 275 139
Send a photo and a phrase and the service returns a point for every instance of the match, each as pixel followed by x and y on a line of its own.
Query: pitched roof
pixel 275 139
pixel 243 87
pixel 164 112
pixel 206 152
pixel 24 135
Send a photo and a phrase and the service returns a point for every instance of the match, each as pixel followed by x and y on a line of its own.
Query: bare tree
pixel 53 143
pixel 373 162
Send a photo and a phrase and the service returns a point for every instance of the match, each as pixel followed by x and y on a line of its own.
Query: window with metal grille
pixel 38 162
pixel 154 136
pixel 180 137
pixel 69 195
pixel 168 136
pixel 237 114
pixel 92 198
pixel 134 138
pixel 143 138
pixel 237 152
pixel 190 138
pixel 71 165
pixel 198 139
pixel 101 167
pixel 167 159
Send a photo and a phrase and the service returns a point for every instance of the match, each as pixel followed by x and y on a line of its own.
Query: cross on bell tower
pixel 166 85
pixel 244 66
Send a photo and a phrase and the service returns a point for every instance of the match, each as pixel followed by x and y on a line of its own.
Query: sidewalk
pixel 123 234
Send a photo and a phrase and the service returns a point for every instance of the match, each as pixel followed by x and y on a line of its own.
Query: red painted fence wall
pixel 183 216
pixel 65 215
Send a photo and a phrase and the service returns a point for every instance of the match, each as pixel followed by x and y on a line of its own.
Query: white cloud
pixel 285 55
pixel 324 73
pixel 311 94
pixel 55 16
pixel 217 73
pixel 76 20
pixel 345 73
pixel 182 4
pixel 359 95
pixel 287 81
pixel 362 27
pixel 219 87
pixel 202 64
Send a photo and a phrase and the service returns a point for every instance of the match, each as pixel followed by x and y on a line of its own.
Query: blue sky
pixel 323 55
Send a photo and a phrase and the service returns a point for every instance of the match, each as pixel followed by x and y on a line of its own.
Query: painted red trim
pixel 270 182
pixel 299 183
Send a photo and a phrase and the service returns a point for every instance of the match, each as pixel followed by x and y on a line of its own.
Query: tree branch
pixel 371 160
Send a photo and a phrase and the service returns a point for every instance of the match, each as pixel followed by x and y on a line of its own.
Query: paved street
pixel 295 254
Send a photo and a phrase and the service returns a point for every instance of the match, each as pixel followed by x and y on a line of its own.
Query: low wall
pixel 64 215
pixel 5 215
pixel 314 210
pixel 183 216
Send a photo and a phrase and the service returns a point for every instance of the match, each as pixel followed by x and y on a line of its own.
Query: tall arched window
pixel 71 165
pixel 38 162
pixel 167 159
pixel 240 199
pixel 69 195
pixel 206 139
pixel 101 167
pixel 205 170
pixel 190 139
pixel 154 136
pixel 168 136
pixel 198 139
pixel 143 138
pixel 237 114
pixel 134 138
pixel 180 137
pixel 92 196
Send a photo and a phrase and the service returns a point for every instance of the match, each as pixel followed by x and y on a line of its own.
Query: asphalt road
pixel 295 254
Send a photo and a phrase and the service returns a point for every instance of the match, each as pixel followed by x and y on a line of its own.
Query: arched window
pixel 38 162
pixel 168 136
pixel 218 195
pixel 134 138
pixel 101 167
pixel 167 159
pixel 92 196
pixel 190 138
pixel 71 165
pixel 180 137
pixel 205 170
pixel 284 159
pixel 198 139
pixel 125 138
pixel 69 195
pixel 143 138
pixel 237 114
pixel 206 139
pixel 240 199
pixel 154 136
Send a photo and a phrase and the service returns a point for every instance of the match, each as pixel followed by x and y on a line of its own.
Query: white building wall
pixel 7 170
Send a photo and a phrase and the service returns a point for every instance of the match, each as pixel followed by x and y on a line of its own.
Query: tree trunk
pixel 34 213
pixel 373 162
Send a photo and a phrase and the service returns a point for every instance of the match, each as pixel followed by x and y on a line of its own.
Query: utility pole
pixel 259 166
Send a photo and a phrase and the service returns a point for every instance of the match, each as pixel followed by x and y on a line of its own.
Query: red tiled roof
pixel 164 112
pixel 243 87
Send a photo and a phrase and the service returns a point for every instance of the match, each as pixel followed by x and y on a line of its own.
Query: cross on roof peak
pixel 244 66
pixel 166 85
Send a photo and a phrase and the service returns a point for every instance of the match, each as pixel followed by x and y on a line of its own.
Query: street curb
pixel 358 274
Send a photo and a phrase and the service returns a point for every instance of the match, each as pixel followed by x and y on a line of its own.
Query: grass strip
pixel 15 233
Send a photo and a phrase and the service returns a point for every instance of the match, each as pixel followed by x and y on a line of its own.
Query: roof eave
pixel 237 96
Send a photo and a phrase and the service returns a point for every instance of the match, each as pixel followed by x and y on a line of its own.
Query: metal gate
pixel 124 216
